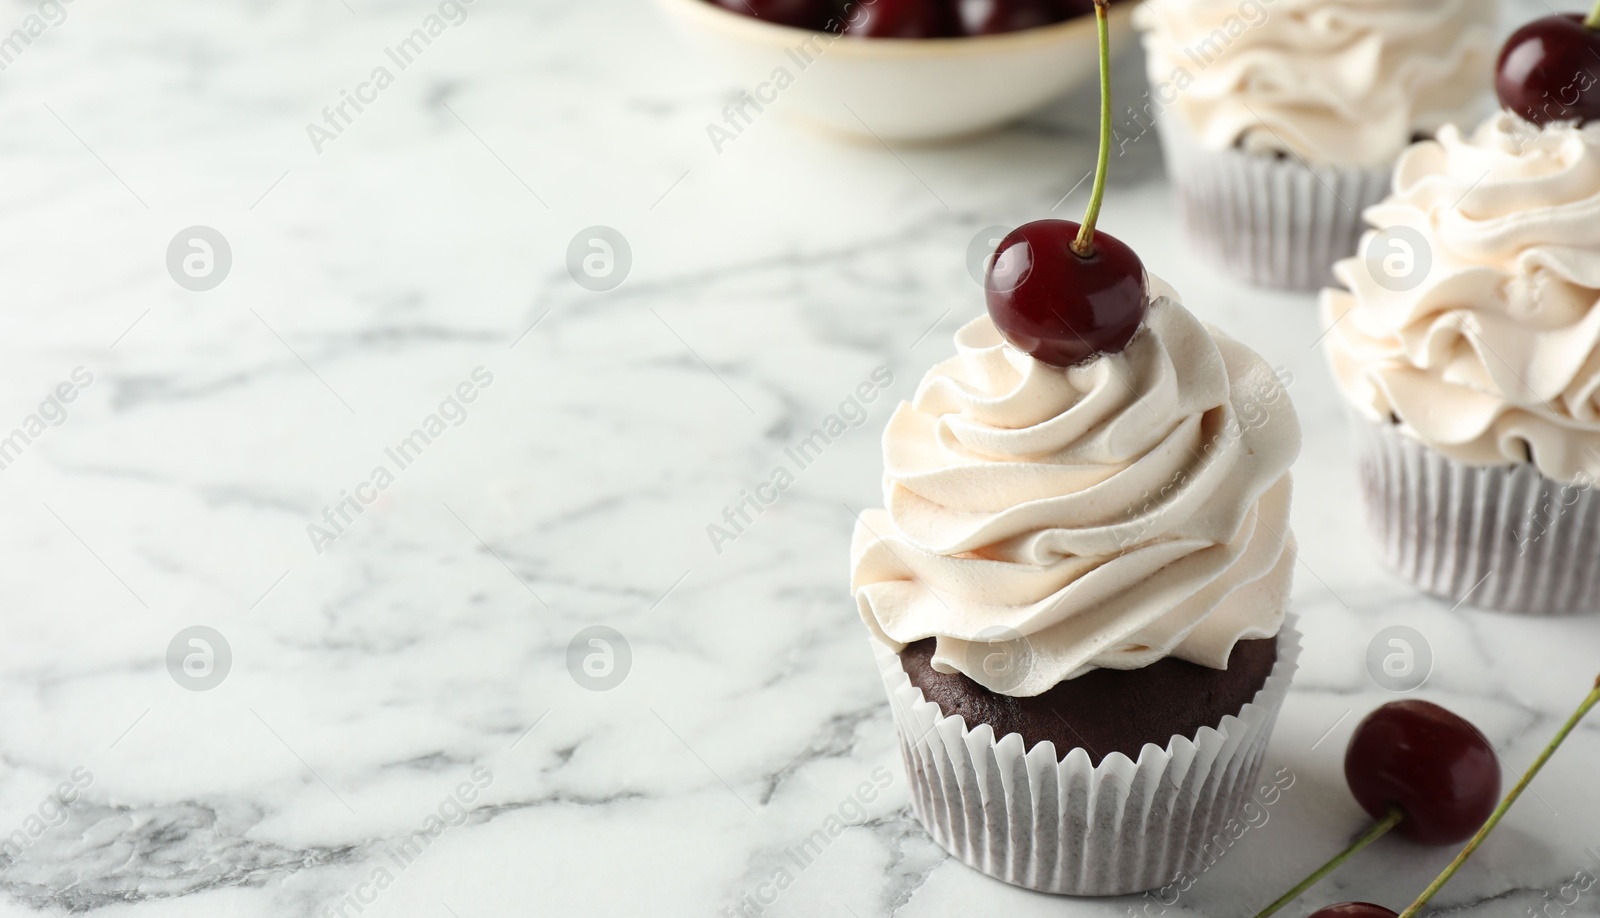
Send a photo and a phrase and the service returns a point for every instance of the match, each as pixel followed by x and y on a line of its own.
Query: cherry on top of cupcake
pixel 911 18
pixel 1057 289
pixel 1549 70
pixel 1062 302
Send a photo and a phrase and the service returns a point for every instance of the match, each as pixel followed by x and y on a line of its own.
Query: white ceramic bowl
pixel 892 89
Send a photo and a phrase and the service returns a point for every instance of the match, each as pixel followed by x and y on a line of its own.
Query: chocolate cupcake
pixel 1281 126
pixel 1077 595
pixel 1468 346
pixel 1104 710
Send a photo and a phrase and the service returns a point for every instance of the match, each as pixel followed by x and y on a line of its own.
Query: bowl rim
pixel 749 28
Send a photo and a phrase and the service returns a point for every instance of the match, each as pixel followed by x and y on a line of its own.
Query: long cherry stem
pixel 1500 812
pixel 1083 246
pixel 1593 22
pixel 1378 830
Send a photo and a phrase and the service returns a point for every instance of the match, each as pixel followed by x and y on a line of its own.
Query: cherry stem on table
pixel 1378 830
pixel 1593 22
pixel 1083 246
pixel 1500 812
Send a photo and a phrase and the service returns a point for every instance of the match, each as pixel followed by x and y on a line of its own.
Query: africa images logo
pixel 337 116
pixel 452 412
pixel 851 413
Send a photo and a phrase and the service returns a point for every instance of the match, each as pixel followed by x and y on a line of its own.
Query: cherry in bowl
pixel 816 15
pixel 903 19
pixel 992 17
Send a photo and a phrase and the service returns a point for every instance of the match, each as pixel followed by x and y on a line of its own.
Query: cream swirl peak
pixel 1492 359
pixel 1335 82
pixel 1105 515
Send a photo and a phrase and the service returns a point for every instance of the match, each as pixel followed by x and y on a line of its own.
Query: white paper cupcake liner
pixel 1273 221
pixel 1064 826
pixel 1498 537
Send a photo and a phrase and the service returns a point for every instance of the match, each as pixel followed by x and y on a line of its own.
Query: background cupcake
pixel 1466 342
pixel 1281 119
pixel 1077 595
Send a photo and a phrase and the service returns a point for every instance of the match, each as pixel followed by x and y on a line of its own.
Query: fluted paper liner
pixel 1273 221
pixel 1498 537
pixel 1062 825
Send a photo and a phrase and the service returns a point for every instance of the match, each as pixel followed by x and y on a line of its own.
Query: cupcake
pixel 1281 119
pixel 1466 343
pixel 1077 589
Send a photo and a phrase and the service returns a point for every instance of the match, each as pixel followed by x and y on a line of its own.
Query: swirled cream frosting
pixel 1107 515
pixel 1475 322
pixel 1343 83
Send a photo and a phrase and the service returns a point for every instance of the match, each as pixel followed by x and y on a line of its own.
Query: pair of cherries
pixel 1432 777
pixel 912 18
pixel 1421 771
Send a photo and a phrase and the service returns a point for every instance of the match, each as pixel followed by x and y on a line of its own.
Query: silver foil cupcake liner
pixel 1062 825
pixel 1499 537
pixel 1273 221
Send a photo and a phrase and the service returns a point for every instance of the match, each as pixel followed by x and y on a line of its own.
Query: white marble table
pixel 406 670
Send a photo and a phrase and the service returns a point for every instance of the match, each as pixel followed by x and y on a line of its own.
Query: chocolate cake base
pixel 1106 710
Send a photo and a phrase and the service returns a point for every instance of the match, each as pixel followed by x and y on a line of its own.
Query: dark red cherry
pixel 802 14
pixel 991 17
pixel 902 19
pixel 1354 910
pixel 1059 306
pixel 1547 71
pixel 1437 768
